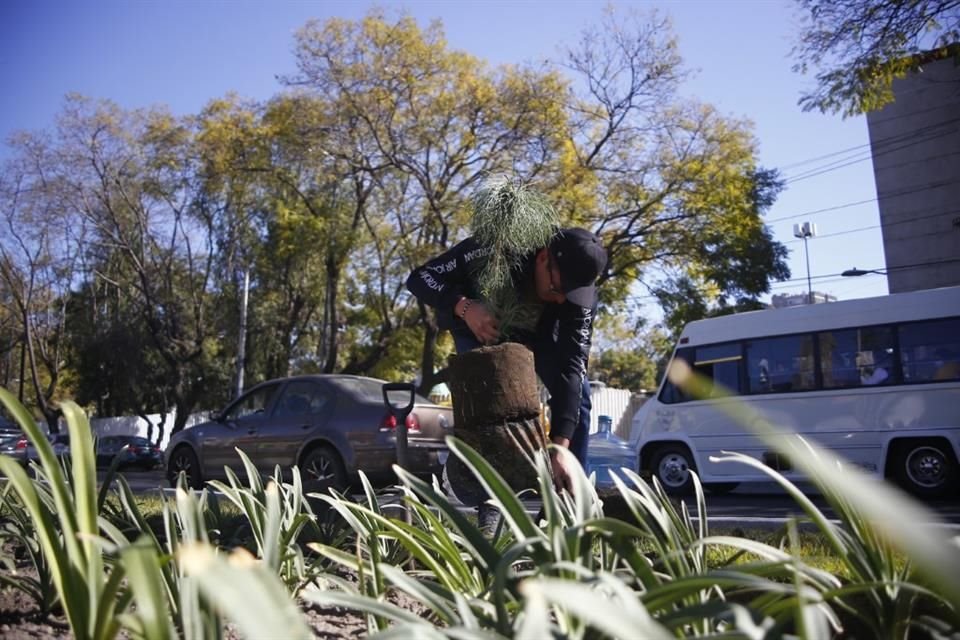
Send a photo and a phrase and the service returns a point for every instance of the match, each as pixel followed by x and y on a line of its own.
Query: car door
pixel 237 428
pixel 302 407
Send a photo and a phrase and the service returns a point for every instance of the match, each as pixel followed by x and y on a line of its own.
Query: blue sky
pixel 183 54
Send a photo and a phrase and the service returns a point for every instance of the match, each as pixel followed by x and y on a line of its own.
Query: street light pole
pixel 805 231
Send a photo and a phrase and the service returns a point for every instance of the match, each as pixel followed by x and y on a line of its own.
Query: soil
pixel 496 407
pixel 21 620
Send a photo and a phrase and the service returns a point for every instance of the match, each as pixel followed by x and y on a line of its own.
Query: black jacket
pixel 560 342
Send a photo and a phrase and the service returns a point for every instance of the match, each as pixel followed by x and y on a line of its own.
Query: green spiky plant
pixel 511 220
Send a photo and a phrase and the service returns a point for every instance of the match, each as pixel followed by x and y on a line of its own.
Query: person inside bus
pixel 947 365
pixel 872 375
pixel 873 370
pixel 763 374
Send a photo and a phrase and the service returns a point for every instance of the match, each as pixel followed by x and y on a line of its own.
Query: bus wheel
pixel 925 468
pixel 672 464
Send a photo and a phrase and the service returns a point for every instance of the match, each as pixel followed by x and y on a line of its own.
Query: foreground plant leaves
pixel 246 591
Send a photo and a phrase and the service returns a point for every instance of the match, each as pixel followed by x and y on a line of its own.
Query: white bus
pixel 876 380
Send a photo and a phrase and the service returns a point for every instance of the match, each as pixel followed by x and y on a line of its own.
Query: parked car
pixel 139 452
pixel 59 441
pixel 14 442
pixel 9 439
pixel 8 428
pixel 332 426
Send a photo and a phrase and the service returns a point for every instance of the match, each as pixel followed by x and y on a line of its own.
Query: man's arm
pixel 443 281
pixel 574 337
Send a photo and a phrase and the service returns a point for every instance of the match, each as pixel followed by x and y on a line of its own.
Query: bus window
pixel 930 350
pixel 855 357
pixel 720 363
pixel 777 365
pixel 671 393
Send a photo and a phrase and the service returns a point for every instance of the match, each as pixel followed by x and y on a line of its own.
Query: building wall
pixel 619 404
pixel 136 426
pixel 915 145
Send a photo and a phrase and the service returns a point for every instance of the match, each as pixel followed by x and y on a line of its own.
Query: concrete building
pixel 781 300
pixel 915 143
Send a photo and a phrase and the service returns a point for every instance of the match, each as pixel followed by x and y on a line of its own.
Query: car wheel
pixel 925 468
pixel 185 460
pixel 672 464
pixel 322 470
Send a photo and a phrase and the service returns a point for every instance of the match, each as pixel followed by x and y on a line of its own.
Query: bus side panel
pixel 856 424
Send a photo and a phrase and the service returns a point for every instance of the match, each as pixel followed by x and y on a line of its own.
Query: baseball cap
pixel 581 258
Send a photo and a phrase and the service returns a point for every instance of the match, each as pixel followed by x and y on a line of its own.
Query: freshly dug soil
pixel 20 620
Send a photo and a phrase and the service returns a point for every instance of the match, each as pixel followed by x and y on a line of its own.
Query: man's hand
pixel 482 322
pixel 560 465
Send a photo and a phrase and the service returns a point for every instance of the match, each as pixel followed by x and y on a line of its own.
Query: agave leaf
pixel 493 483
pixel 423 630
pixel 271 552
pixel 49 538
pixel 615 617
pixel 458 568
pixel 141 562
pixel 481 547
pixel 535 623
pixel 246 591
pixel 366 604
pixel 440 601
pixel 740 620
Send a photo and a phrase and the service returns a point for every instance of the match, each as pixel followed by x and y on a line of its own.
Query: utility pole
pixel 805 231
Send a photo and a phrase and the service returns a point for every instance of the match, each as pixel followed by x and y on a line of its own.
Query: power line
pixel 823 157
pixel 877 155
pixel 876 121
pixel 838 233
pixel 904 192
pixel 912 220
pixel 905 141
pixel 826 277
pixel 810 213
pixel 879 148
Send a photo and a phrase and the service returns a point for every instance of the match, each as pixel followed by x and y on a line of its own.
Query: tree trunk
pixel 496 410
pixel 330 321
pixel 428 354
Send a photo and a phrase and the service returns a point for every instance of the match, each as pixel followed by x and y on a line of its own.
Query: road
pixel 759 505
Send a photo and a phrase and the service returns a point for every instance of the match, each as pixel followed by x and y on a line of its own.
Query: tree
pixel 38 262
pixel 429 124
pixel 860 46
pixel 320 172
pixel 292 193
pixel 671 186
pixel 233 149
pixel 116 374
pixel 131 177
pixel 631 356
